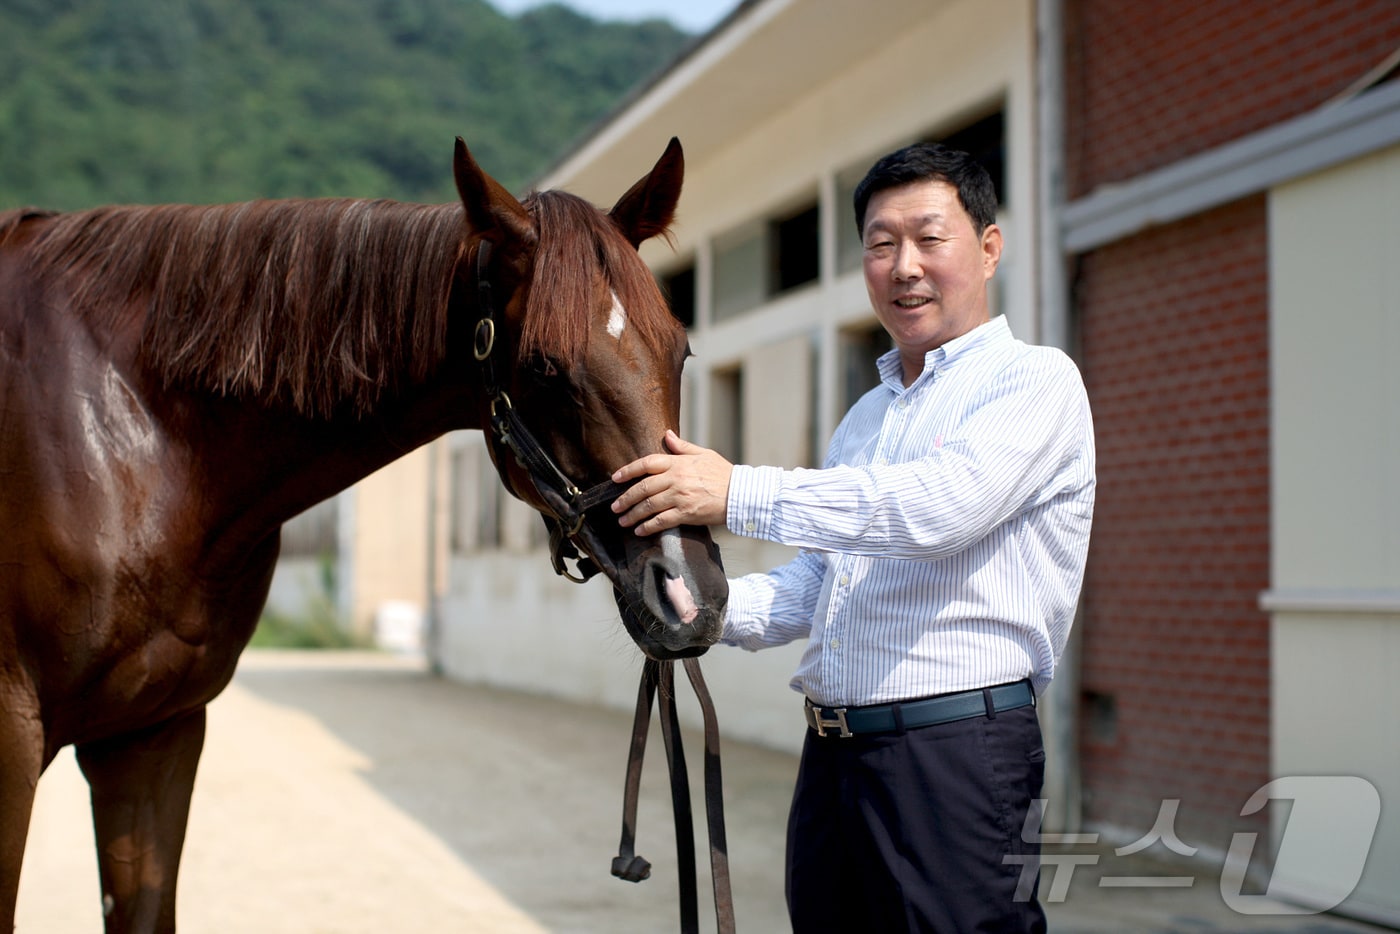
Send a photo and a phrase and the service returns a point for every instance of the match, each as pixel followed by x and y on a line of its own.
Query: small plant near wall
pixel 318 625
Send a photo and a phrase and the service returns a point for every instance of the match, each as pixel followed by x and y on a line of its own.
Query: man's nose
pixel 906 262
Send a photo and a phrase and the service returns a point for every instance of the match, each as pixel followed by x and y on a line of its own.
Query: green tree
pixel 220 100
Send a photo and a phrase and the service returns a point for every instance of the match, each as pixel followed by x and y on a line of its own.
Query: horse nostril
pixel 681 600
pixel 676 597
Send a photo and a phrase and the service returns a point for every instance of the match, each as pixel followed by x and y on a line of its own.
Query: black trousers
pixel 912 831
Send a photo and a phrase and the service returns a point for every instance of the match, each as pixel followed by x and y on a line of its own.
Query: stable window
pixel 766 258
pixel 727 413
pixel 740 271
pixel 860 348
pixel 794 250
pixel 679 289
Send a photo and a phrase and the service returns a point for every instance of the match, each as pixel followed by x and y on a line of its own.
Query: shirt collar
pixel 983 336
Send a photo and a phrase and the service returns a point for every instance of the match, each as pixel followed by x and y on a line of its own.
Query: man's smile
pixel 912 301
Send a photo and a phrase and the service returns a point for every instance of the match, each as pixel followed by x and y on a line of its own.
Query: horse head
pixel 580 362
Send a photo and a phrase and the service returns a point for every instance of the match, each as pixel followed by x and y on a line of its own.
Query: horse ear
pixel 649 206
pixel 488 204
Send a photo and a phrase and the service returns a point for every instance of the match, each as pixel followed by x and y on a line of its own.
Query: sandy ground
pixel 342 793
pixel 354 793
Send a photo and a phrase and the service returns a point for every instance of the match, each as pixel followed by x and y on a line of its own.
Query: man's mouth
pixel 912 301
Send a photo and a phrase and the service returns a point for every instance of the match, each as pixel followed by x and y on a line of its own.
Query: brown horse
pixel 178 381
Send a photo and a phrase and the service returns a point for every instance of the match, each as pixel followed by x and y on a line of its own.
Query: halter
pixel 566 501
pixel 569 504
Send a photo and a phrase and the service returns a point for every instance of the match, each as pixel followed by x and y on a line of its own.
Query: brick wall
pixel 1174 334
pixel 1150 83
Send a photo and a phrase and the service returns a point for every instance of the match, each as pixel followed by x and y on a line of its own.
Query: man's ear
pixel 991 250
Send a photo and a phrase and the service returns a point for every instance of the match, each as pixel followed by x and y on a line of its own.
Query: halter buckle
pixel 484 339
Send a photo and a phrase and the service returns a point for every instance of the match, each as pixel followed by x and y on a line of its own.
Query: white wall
pixel 1335 597
pixel 512 623
pixel 390 542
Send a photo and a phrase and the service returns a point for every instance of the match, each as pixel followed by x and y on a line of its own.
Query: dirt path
pixel 343 793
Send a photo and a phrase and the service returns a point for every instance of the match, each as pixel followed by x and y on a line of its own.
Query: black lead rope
pixel 658 679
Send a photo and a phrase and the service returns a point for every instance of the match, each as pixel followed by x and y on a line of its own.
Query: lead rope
pixel 658 678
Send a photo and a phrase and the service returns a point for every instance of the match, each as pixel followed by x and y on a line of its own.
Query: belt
pixel 889 718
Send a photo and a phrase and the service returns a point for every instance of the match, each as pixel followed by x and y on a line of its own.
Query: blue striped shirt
pixel 943 543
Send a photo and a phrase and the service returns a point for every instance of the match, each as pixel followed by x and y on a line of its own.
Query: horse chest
pixel 144 657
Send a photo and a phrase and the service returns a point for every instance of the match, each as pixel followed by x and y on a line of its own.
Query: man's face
pixel 926 269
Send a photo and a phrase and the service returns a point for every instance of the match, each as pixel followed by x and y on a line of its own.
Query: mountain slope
pixel 221 100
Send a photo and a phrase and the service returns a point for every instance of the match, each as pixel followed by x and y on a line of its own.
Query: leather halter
pixel 569 505
pixel 566 501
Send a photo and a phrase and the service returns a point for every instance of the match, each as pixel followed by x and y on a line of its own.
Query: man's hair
pixel 923 162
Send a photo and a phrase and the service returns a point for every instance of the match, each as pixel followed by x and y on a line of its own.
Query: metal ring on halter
pixel 578 526
pixel 564 572
pixel 485 339
pixel 500 397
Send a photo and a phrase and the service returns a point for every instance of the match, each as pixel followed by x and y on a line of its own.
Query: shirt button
pixel 836 643
pixel 749 526
pixel 845 579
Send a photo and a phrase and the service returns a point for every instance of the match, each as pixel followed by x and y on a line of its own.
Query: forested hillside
pixel 223 100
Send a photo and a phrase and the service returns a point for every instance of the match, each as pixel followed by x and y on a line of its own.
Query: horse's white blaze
pixel 676 591
pixel 617 319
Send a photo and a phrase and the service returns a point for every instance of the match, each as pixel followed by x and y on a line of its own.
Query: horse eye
pixel 544 368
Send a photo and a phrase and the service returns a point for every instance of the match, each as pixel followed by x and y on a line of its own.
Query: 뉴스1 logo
pixel 1320 858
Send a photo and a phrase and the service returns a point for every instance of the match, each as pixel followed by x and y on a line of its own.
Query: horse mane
pixel 315 302
pixel 578 244
pixel 322 303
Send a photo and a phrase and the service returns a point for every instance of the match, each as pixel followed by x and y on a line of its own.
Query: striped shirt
pixel 943 543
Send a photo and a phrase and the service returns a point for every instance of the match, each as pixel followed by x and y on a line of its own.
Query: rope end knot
pixel 631 868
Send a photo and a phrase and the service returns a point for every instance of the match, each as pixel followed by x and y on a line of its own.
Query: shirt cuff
pixel 737 613
pixel 752 492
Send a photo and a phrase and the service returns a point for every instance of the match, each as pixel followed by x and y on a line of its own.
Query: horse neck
pixel 274 464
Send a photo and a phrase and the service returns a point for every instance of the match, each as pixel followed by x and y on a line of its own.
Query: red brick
pixel 1148 84
pixel 1174 338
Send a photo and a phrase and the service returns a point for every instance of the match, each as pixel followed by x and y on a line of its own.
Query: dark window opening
pixel 795 250
pixel 860 350
pixel 985 141
pixel 679 289
pixel 727 414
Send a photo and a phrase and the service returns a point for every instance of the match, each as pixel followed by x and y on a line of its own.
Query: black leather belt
pixel 888 718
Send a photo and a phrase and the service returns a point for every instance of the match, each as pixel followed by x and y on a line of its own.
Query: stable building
pixel 1202 205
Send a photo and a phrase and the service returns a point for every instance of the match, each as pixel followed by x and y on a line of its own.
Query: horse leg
pixel 21 762
pixel 141 786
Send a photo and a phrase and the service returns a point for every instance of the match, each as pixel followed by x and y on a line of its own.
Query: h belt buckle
pixel 821 725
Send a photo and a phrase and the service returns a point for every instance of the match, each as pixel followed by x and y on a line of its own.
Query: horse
pixel 177 381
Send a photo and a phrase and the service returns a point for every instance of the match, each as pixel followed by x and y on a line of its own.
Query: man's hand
pixel 689 486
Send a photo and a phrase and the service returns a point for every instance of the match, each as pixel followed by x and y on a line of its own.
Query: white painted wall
pixel 512 623
pixel 1335 597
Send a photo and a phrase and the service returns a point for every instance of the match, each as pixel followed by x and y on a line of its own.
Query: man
pixel 942 553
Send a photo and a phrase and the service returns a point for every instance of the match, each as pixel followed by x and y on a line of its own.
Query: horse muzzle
pixel 671 592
